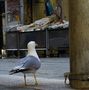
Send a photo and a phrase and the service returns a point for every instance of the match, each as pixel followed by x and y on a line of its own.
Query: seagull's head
pixel 31 49
pixel 31 45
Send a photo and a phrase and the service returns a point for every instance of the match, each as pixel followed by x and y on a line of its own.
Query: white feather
pixel 31 49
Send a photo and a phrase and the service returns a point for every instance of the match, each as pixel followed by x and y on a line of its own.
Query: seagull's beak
pixel 36 44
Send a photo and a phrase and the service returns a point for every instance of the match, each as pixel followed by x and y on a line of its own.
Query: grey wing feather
pixel 22 61
pixel 29 62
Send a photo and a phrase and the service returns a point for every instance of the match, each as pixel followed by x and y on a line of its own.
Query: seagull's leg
pixel 25 79
pixel 36 83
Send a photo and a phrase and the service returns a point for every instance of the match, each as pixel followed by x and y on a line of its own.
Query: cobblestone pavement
pixel 50 76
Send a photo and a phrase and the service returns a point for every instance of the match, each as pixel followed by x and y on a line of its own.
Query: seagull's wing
pixel 22 61
pixel 27 63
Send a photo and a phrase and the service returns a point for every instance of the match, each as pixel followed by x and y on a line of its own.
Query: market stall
pixel 47 39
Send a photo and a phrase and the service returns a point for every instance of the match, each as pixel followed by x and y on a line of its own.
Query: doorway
pixel 2 10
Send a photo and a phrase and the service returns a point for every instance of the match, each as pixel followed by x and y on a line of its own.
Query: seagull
pixel 29 64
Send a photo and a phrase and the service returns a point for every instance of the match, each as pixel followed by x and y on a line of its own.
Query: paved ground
pixel 50 75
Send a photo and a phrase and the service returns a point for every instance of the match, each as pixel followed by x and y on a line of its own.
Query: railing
pixel 46 39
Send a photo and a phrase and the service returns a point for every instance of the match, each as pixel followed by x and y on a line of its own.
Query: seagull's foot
pixel 36 84
pixel 32 86
pixel 37 87
pixel 26 84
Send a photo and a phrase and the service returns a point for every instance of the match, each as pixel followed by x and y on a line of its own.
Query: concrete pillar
pixel 79 43
pixel 65 6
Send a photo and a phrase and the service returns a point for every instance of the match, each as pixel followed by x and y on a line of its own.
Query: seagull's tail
pixel 13 71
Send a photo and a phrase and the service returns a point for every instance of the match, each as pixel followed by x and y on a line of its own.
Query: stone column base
pixel 79 84
pixel 79 81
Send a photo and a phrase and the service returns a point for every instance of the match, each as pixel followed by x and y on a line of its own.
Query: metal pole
pixel 22 11
pixel 5 24
pixel 31 9
pixel 6 18
pixel 47 42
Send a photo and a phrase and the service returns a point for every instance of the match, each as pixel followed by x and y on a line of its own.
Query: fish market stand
pixel 47 40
